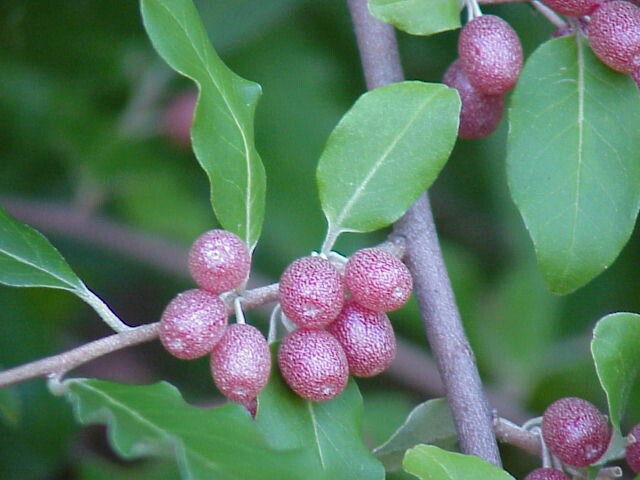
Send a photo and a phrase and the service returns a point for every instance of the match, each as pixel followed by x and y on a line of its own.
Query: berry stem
pixel 237 306
pixel 381 64
pixel 555 19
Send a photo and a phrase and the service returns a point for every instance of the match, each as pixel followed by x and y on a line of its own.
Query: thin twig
pixel 60 364
pixel 381 64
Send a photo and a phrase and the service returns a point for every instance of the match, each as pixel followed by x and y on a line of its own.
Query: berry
pixel 377 280
pixel 241 363
pixel 636 77
pixel 219 261
pixel 311 292
pixel 633 450
pixel 490 54
pixel 546 474
pixel 480 114
pixel 614 35
pixel 192 324
pixel 573 8
pixel 367 339
pixel 313 364
pixel 176 120
pixel 575 431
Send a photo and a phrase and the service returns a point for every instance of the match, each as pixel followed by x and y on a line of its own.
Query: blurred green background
pixel 85 159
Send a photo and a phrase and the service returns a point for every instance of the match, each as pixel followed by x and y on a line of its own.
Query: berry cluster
pixel 336 335
pixel 488 65
pixel 613 28
pixel 195 322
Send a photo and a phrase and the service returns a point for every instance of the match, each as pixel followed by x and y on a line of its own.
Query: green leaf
pixel 222 132
pixel 617 359
pixel 418 17
pixel 574 160
pixel 27 259
pixel 430 422
pixel 384 153
pixel 217 443
pixel 431 463
pixel 329 432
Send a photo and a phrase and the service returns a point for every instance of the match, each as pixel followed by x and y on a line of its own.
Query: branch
pixel 456 362
pixel 64 362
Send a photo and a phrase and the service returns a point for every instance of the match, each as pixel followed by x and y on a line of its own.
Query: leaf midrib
pixel 377 165
pixel 19 259
pixel 162 432
pixel 580 157
pixel 247 153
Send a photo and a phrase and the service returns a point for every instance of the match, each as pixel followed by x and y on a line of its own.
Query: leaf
pixel 222 132
pixel 384 153
pixel 617 359
pixel 431 463
pixel 27 259
pixel 218 443
pixel 418 17
pixel 328 431
pixel 574 160
pixel 430 422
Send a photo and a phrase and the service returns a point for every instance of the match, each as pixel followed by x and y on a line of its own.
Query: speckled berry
pixel 633 450
pixel 490 54
pixel 614 35
pixel 311 292
pixel 480 114
pixel 241 363
pixel 573 8
pixel 575 431
pixel 367 339
pixel 219 261
pixel 192 324
pixel 377 280
pixel 546 474
pixel 313 364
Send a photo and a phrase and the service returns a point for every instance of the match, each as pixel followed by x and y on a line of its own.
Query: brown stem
pixel 456 362
pixel 64 362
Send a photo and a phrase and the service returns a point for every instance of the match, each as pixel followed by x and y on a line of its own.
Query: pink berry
pixel 575 431
pixel 573 8
pixel 367 339
pixel 614 35
pixel 192 324
pixel 219 261
pixel 633 450
pixel 546 474
pixel 378 280
pixel 176 120
pixel 241 363
pixel 490 54
pixel 480 114
pixel 313 364
pixel 311 292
